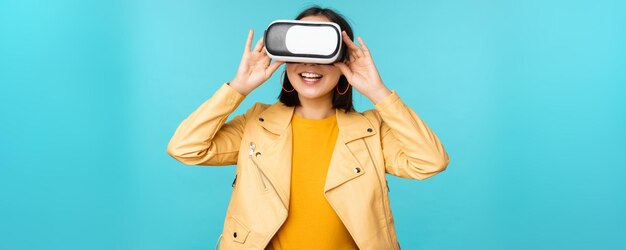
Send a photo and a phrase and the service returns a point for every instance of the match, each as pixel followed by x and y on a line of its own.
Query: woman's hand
pixel 361 71
pixel 254 68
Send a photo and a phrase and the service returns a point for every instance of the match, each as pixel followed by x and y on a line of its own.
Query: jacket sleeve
pixel 410 148
pixel 204 138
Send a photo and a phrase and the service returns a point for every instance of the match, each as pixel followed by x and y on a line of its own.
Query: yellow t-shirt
pixel 312 223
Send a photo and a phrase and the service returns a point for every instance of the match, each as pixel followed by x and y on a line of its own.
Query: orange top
pixel 312 223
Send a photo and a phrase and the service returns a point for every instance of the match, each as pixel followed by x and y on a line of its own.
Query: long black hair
pixel 339 101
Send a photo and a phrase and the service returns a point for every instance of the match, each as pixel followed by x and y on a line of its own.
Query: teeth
pixel 311 75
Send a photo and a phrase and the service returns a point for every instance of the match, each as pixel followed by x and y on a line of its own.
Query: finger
pixel 259 45
pixel 364 48
pixel 272 68
pixel 348 41
pixel 351 45
pixel 266 60
pixel 249 41
pixel 263 50
pixel 345 70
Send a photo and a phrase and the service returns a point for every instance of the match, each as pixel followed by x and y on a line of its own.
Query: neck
pixel 318 108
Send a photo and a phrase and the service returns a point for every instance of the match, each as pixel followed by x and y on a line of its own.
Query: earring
pixel 345 91
pixel 281 83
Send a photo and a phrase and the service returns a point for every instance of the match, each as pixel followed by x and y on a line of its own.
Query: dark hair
pixel 339 101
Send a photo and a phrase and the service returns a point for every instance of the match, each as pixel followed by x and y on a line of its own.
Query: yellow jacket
pixel 388 139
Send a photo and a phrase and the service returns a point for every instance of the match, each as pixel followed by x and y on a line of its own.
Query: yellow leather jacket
pixel 388 139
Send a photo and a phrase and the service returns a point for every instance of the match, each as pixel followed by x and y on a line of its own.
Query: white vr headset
pixel 304 41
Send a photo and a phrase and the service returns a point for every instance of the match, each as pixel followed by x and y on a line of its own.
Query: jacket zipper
pixel 382 196
pixel 261 175
pixel 252 147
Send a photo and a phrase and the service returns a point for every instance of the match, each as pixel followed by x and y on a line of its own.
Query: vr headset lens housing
pixel 304 41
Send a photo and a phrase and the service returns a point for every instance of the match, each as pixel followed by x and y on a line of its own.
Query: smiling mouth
pixel 310 77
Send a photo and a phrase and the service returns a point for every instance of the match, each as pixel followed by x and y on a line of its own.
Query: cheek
pixel 290 72
pixel 333 74
pixel 289 68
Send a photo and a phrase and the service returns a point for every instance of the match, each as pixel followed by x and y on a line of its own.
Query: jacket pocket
pixel 238 231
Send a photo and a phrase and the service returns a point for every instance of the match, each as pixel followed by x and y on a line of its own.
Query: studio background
pixel 526 96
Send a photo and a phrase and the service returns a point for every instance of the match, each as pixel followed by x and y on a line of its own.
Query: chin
pixel 312 92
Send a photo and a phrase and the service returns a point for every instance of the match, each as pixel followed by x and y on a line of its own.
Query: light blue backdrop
pixel 527 97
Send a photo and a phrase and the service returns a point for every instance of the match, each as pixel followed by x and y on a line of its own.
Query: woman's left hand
pixel 361 71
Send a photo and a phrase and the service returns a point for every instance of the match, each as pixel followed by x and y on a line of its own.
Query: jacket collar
pixel 352 125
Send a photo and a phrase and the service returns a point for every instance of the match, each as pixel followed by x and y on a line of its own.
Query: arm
pixel 410 148
pixel 204 138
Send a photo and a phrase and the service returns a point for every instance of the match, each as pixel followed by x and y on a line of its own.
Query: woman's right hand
pixel 254 68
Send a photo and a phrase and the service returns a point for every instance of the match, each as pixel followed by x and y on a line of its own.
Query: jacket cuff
pixel 387 103
pixel 230 94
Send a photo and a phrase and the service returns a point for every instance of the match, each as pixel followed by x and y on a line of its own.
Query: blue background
pixel 527 97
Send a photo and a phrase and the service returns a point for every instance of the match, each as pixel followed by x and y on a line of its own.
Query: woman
pixel 310 169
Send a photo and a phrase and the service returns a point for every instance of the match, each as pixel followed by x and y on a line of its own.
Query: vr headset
pixel 304 41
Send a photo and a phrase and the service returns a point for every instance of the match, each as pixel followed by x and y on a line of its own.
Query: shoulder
pixel 258 108
pixel 390 104
pixel 372 115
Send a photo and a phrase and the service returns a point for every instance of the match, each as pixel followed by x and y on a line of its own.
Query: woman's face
pixel 310 80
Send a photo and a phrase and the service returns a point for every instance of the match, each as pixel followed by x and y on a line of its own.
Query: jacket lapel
pixel 345 158
pixel 349 151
